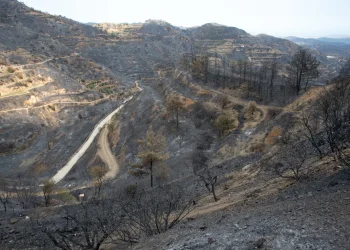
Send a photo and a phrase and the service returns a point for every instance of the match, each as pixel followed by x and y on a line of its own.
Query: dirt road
pixel 80 152
pixel 106 154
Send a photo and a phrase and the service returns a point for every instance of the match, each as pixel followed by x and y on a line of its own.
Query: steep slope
pixel 49 93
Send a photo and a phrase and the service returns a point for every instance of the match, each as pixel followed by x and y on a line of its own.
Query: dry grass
pixel 273 136
pixel 310 96
pixel 186 102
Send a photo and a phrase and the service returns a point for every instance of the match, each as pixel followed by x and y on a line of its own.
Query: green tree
pixel 224 123
pixel 152 150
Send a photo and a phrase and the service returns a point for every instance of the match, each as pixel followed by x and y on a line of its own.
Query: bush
pixel 251 111
pixel 11 70
pixel 225 123
pixel 19 75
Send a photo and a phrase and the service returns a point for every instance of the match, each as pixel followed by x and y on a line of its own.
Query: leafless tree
pixel 303 68
pixel 233 72
pixel 224 65
pixel 333 109
pixel 201 169
pixel 24 191
pixel 5 193
pixel 156 211
pixel 48 190
pixel 240 69
pixel 290 162
pixel 273 74
pixel 85 226
pixel 311 131
pixel 216 68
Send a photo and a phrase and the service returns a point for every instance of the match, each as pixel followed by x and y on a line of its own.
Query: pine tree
pixel 152 150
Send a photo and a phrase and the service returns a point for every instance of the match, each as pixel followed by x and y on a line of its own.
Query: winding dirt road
pixel 106 154
pixel 80 152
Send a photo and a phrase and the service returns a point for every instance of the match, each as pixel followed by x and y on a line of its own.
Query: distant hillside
pixel 331 47
pixel 322 40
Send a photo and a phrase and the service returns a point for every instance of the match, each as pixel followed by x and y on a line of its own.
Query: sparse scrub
pixel 19 76
pixel 258 147
pixel 52 107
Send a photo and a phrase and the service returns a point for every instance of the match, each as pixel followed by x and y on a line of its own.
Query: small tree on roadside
pixel 48 190
pixel 98 174
pixel 152 150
